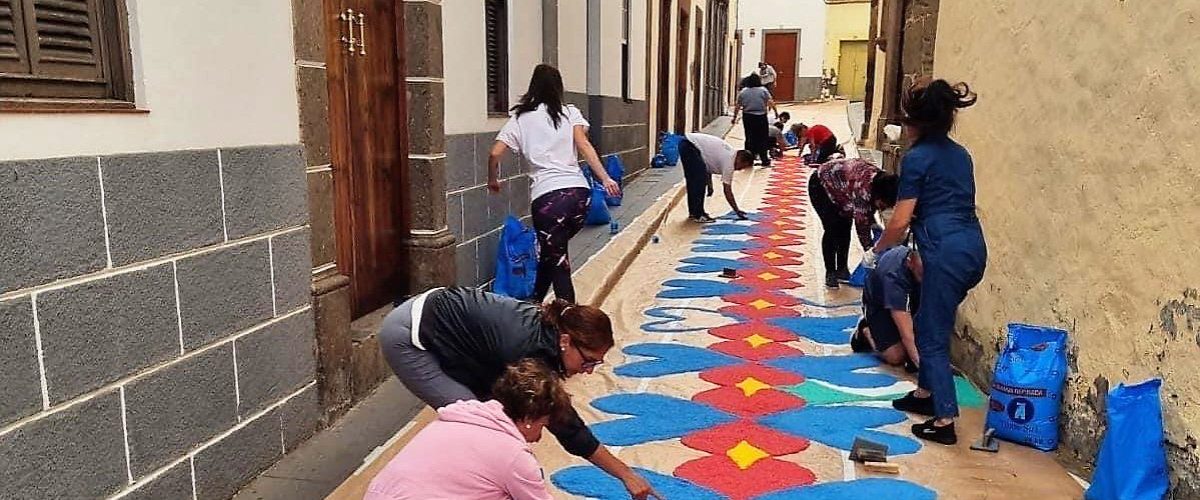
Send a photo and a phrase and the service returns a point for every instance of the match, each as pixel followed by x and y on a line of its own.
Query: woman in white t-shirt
pixel 549 134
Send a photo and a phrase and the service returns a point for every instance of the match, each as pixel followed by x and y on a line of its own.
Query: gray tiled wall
pixel 155 326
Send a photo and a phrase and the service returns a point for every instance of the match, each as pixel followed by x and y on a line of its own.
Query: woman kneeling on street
pixel 452 344
pixel 481 450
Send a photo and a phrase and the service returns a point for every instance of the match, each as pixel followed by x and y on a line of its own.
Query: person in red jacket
pixel 822 143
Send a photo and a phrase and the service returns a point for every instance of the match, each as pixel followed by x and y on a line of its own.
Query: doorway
pixel 852 70
pixel 664 66
pixel 696 70
pixel 681 65
pixel 781 50
pixel 367 128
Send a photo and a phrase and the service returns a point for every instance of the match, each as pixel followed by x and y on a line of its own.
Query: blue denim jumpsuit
pixel 939 174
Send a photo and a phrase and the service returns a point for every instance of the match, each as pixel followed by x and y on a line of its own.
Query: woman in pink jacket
pixel 480 450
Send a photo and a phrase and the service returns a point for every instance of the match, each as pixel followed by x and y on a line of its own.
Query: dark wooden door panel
pixel 367 127
pixel 780 52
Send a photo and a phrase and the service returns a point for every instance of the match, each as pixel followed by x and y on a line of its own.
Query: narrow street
pixel 746 388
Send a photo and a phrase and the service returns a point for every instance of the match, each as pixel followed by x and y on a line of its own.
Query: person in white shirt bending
pixel 704 156
pixel 550 134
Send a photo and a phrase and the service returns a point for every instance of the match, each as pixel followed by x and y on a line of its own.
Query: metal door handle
pixel 348 39
pixel 362 34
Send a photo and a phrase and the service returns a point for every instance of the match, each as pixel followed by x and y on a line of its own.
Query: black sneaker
pixel 930 432
pixel 831 280
pixel 843 275
pixel 703 219
pixel 912 404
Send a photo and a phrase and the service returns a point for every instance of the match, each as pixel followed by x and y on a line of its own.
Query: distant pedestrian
pixel 767 73
pixel 549 134
pixel 752 104
pixel 937 205
pixel 703 156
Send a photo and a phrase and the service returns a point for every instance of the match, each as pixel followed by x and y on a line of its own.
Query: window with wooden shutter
pixel 63 51
pixel 496 27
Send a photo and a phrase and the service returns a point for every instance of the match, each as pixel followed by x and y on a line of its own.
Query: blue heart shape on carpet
pixel 653 417
pixel 699 265
pixel 837 426
pixel 671 359
pixel 669 315
pixel 824 330
pixel 697 289
pixel 837 370
pixel 725 229
pixel 873 488
pixel 590 482
pixel 722 246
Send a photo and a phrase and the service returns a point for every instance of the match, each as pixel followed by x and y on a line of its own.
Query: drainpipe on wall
pixel 891 81
pixel 872 50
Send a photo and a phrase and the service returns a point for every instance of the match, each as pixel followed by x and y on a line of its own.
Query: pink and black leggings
pixel 557 217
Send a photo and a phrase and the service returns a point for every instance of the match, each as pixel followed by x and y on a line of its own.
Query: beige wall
pixel 844 22
pixel 213 73
pixel 1085 149
pixel 572 44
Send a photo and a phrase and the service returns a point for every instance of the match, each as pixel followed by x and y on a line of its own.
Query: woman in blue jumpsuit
pixel 937 202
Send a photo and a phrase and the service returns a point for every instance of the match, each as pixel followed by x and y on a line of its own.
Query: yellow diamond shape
pixel 761 304
pixel 780 223
pixel 772 255
pixel 751 386
pixel 768 276
pixel 757 340
pixel 775 237
pixel 745 454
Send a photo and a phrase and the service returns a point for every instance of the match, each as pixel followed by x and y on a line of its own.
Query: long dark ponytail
pixel 931 106
pixel 545 87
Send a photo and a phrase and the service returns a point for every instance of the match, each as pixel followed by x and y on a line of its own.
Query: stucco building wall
pixel 1084 145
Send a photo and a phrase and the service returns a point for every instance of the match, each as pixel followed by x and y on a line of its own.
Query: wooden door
pixel 682 38
pixel 368 134
pixel 665 11
pixel 780 50
pixel 852 70
pixel 697 70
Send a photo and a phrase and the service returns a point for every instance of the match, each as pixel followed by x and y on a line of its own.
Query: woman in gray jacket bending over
pixel 452 344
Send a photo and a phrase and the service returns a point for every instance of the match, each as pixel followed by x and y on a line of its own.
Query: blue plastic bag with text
pixel 516 260
pixel 1133 462
pixel 1027 386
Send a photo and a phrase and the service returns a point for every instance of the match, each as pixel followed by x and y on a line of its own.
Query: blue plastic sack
pixel 516 260
pixel 670 147
pixel 1027 386
pixel 616 170
pixel 659 161
pixel 791 138
pixel 858 279
pixel 1133 463
pixel 598 212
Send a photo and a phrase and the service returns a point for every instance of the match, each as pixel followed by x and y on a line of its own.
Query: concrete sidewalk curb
pixel 607 267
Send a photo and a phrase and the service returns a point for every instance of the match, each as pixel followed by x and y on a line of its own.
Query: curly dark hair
pixel 931 106
pixel 530 390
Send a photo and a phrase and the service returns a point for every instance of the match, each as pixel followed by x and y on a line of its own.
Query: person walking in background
pixel 704 156
pixel 845 192
pixel 937 202
pixel 767 74
pixel 753 102
pixel 453 344
pixel 479 449
pixel 550 134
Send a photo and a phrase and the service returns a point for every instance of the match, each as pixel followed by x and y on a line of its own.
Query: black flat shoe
pixel 831 280
pixel 930 432
pixel 703 219
pixel 843 276
pixel 912 404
